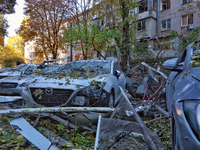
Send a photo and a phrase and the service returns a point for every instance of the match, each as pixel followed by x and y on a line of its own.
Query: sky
pixel 14 20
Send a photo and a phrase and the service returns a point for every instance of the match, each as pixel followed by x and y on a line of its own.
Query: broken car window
pixel 45 69
pixel 99 67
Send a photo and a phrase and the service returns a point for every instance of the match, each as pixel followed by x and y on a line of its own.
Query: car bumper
pixel 186 136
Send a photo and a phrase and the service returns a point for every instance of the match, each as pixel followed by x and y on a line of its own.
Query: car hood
pixel 8 73
pixel 65 83
pixel 18 79
pixel 188 85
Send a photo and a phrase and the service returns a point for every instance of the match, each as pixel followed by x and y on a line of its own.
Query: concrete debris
pixel 112 125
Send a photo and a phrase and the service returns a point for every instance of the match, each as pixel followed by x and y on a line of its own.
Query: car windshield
pixel 45 69
pixel 20 67
pixel 99 67
pixel 84 69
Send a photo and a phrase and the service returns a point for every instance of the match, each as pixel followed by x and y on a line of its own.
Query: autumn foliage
pixel 43 24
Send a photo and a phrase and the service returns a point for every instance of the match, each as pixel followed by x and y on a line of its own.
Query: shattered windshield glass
pixel 20 67
pixel 84 69
pixel 100 67
pixel 45 69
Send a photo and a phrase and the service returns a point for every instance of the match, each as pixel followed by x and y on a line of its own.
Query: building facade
pixel 156 19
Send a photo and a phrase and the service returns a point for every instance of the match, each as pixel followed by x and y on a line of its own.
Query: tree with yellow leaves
pixel 13 51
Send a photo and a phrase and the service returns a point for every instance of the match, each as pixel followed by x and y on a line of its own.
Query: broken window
pixel 141 26
pixel 143 6
pixel 186 1
pixel 165 4
pixel 187 19
pixel 97 67
pixel 166 25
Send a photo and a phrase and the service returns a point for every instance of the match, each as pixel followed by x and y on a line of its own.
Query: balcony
pixel 147 14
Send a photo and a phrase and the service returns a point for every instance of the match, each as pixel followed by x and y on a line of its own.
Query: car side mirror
pixel 118 73
pixel 172 64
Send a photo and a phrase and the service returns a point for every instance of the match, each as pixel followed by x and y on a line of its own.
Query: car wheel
pixel 175 140
pixel 111 99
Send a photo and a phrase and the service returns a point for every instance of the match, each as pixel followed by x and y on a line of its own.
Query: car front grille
pixel 58 97
pixel 8 85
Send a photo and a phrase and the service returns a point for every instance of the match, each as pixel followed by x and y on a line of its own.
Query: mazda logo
pixel 48 91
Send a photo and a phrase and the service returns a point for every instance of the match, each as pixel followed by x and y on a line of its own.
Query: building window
pixel 187 19
pixel 186 1
pixel 166 25
pixel 141 26
pixel 143 7
pixel 165 4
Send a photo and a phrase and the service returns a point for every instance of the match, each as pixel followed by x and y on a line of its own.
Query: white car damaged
pixel 90 83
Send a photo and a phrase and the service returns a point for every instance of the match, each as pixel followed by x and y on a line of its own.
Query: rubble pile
pixel 138 122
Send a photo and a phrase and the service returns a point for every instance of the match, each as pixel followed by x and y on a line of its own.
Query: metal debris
pixel 30 133
pixel 57 109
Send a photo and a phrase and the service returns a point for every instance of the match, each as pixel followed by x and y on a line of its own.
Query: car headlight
pixel 95 87
pixel 192 113
pixel 93 91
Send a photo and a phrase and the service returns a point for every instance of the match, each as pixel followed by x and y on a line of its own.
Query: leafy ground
pixel 82 139
pixel 10 138
pixel 163 130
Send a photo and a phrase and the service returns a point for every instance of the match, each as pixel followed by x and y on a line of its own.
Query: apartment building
pixel 156 18
pixel 147 19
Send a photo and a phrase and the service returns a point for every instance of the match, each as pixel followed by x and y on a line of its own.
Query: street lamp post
pixel 71 54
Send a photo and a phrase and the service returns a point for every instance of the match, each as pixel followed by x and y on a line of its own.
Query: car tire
pixel 175 133
pixel 111 99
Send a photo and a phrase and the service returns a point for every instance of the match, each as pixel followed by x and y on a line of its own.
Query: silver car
pixel 13 85
pixel 79 83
